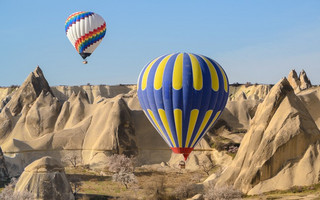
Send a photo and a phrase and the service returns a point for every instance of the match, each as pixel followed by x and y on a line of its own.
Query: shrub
pixel 233 149
pixel 196 177
pixel 184 191
pixel 297 189
pixel 9 194
pixel 222 193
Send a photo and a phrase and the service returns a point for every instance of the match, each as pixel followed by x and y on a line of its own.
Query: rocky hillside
pixel 93 91
pixel 281 148
pixel 276 127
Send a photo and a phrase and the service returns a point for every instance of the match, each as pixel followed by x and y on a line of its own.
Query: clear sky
pixel 254 41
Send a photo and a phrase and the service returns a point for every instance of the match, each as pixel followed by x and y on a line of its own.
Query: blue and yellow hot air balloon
pixel 183 95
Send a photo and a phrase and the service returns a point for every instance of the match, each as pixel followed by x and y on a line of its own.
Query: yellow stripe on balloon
pixel 177 72
pixel 214 119
pixel 196 72
pixel 178 122
pixel 157 125
pixel 146 74
pixel 192 122
pixel 224 78
pixel 165 123
pixel 158 77
pixel 203 124
pixel 213 73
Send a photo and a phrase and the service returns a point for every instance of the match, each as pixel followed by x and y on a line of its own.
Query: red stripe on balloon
pixel 88 35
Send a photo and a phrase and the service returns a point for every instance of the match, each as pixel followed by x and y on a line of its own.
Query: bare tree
pixel 125 178
pixel 76 184
pixel 117 163
pixel 207 166
pixel 73 158
pixel 123 168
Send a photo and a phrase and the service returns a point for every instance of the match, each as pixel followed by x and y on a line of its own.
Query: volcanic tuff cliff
pixel 277 129
pixel 280 149
pixel 36 123
pixel 93 91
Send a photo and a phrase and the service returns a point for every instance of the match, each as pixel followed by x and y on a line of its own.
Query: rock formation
pixel 42 115
pixel 111 130
pixel 93 91
pixel 304 80
pixel 42 122
pixel 4 175
pixel 299 83
pixel 242 96
pixel 311 99
pixel 4 102
pixel 46 180
pixel 294 80
pixel 28 91
pixel 5 95
pixel 281 148
pixel 238 114
pixel 6 123
pixel 277 129
pixel 251 92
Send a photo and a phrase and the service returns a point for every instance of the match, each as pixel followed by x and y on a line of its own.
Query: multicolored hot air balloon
pixel 85 30
pixel 183 95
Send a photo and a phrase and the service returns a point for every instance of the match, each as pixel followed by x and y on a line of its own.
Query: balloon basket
pixel 182 164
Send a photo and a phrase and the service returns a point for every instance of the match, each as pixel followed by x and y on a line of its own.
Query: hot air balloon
pixel 85 30
pixel 183 95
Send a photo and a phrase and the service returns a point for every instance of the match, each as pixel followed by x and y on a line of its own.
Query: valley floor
pixel 151 184
pixel 164 184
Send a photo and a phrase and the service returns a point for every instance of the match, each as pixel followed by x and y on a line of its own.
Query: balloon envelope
pixel 85 30
pixel 183 95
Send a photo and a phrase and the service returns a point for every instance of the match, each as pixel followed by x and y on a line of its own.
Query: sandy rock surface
pixel 277 127
pixel 46 180
pixel 281 148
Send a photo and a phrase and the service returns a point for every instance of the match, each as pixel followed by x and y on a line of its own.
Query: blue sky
pixel 254 41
